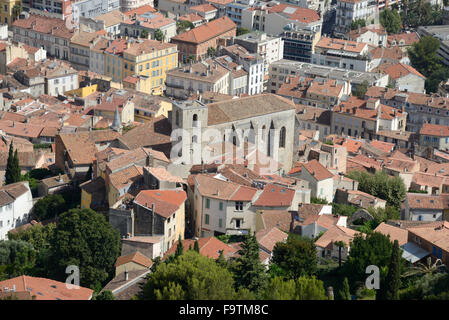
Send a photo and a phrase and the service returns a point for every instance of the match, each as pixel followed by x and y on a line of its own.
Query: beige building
pixel 199 77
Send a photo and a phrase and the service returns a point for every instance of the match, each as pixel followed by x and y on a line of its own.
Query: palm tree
pixel 16 10
pixel 424 269
pixel 340 244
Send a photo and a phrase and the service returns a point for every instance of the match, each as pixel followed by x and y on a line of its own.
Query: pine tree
pixel 12 173
pixel 389 289
pixel 196 246
pixel 221 261
pixel 344 292
pixel 8 173
pixel 250 273
pixel 179 248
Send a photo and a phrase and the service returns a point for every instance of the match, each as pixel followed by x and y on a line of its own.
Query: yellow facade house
pixel 152 59
pixel 151 107
pixel 10 10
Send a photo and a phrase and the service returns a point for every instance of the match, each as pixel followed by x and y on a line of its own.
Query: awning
pixel 413 253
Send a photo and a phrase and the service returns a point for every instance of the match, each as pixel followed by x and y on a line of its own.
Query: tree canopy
pixel 17 257
pixel 358 23
pixel 381 185
pixel 296 257
pixel 423 55
pixel 189 277
pixel 12 173
pixel 84 238
pixel 391 21
pixel 303 288
pixel 241 31
pixel 49 207
pixel 249 272
pixel 371 249
pixel 361 89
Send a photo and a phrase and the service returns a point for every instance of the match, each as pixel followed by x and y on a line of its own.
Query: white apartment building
pixel 15 206
pixel 51 34
pixel 342 54
pixel 271 49
pixel 272 17
pixel 351 10
pixel 202 76
pixel 126 5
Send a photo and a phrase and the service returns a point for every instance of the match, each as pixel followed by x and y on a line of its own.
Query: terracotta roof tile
pixel 206 31
pixel 268 238
pixel 274 195
pixel 135 257
pixel 395 233
pixel 166 202
pixel 46 289
pixel 317 170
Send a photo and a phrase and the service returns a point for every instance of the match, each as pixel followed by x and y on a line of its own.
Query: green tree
pixel 159 35
pixel 38 236
pixel 49 207
pixel 390 288
pixel 434 79
pixel 344 293
pixel 190 277
pixel 423 55
pixel 211 51
pixel 183 26
pixel 361 89
pixel 241 31
pixel 303 288
pixel 341 245
pixel 17 257
pixel 318 200
pixel 391 21
pixel 105 295
pixel 16 10
pixel 296 257
pixel 179 248
pixel 84 238
pixel 373 249
pixel 381 185
pixel 12 173
pixel 144 34
pixel 357 23
pixel 196 246
pixel 249 272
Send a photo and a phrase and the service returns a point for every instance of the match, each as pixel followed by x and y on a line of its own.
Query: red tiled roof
pixel 206 31
pixel 47 25
pixel 317 170
pixel 135 257
pixel 166 202
pixel 381 145
pixel 399 70
pixel 206 7
pixel 45 289
pixel 268 238
pixel 435 130
pixel 209 247
pixel 274 195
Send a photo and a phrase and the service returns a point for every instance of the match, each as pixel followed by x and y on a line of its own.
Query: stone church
pixel 265 122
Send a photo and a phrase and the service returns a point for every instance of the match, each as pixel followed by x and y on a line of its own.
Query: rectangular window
pixel 239 206
pixel 440 254
pixel 221 206
pixel 434 251
pixel 207 203
pixel 207 219
pixel 237 223
pixel 220 223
